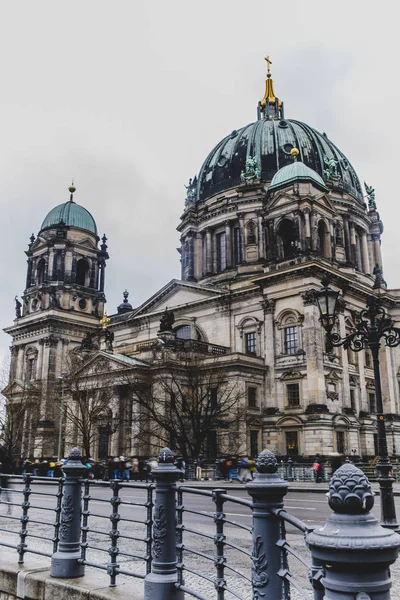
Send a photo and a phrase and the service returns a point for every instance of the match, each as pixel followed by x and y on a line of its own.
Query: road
pixel 312 508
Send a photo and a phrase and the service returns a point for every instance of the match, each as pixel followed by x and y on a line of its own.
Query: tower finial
pixel 270 106
pixel 72 189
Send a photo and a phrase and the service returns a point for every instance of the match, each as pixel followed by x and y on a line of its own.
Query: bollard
pixel 64 562
pixel 160 584
pixel 354 550
pixel 267 490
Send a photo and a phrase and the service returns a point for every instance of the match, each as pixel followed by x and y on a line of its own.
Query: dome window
pixel 40 271
pixel 287 235
pixel 82 272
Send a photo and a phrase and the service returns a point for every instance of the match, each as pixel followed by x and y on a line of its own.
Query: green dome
pixel 297 171
pixel 72 215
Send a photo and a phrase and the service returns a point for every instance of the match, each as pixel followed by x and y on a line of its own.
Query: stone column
pixel 365 254
pixel 312 344
pixel 353 249
pixel 307 227
pixel 347 243
pixel 198 256
pixel 314 230
pixel 345 365
pixel 269 349
pixel 377 248
pixel 261 250
pixel 228 242
pixel 214 253
pixel 242 236
pixel 208 251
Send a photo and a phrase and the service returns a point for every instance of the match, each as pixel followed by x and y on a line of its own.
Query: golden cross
pixel 269 63
pixel 105 320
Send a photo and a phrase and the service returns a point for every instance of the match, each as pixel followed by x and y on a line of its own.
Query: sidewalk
pixel 294 486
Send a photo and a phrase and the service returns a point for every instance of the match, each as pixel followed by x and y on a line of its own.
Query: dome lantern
pixel 70 214
pixel 270 107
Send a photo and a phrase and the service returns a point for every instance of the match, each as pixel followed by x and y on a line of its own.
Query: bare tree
pixel 18 415
pixel 187 404
pixel 85 400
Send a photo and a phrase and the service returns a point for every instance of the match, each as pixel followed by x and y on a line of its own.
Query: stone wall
pixel 32 581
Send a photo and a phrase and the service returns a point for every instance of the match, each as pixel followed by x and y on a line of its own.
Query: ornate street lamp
pixel 372 327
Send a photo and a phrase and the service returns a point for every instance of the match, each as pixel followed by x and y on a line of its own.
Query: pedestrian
pixel 244 470
pixel 181 465
pixel 135 469
pixel 198 469
pixel 317 467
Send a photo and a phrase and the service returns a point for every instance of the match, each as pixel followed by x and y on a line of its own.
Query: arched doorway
pixel 287 235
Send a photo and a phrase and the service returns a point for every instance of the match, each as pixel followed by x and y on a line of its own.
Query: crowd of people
pixel 229 468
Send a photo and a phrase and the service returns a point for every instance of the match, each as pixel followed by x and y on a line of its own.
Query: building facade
pixel 276 207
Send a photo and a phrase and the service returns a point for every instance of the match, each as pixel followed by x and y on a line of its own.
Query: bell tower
pixel 62 302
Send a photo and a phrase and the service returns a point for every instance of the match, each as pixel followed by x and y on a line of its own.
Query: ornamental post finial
pixel 71 190
pixel 270 106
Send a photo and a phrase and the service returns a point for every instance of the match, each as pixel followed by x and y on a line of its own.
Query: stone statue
pixel 191 191
pixel 18 306
pixel 379 282
pixel 109 339
pixel 252 172
pixel 167 320
pixel 370 196
pixel 87 342
pixel 331 168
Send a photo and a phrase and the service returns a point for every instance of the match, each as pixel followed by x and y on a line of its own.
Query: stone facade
pixel 251 258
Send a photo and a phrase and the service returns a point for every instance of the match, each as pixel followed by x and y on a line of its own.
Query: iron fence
pixel 156 532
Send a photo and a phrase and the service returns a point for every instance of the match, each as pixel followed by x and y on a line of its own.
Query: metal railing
pixel 157 532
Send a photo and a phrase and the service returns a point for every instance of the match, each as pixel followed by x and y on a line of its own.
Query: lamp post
pixel 372 328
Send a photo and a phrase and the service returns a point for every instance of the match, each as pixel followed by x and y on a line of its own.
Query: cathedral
pixel 275 209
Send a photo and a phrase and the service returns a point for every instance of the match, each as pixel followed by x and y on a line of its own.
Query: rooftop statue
pixel 331 167
pixel 17 307
pixel 370 196
pixel 191 191
pixel 167 320
pixel 252 172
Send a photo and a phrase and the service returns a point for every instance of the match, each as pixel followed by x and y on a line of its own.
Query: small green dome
pixel 72 215
pixel 297 171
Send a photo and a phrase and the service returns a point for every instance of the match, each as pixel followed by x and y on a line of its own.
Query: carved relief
pixel 159 530
pixel 67 515
pixel 260 563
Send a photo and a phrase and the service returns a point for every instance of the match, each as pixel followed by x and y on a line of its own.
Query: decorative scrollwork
pixel 67 515
pixel 159 530
pixel 260 563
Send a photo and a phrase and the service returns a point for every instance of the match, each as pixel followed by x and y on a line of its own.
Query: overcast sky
pixel 129 97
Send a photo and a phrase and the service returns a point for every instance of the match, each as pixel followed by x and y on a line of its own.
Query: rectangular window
pixel 253 443
pixel 291 340
pixel 184 332
pixel 221 251
pixel 372 402
pixel 237 246
pixel 251 343
pixel 213 398
pixel 368 359
pixel 293 394
pixel 292 443
pixel 340 442
pixel 252 397
pixel 31 368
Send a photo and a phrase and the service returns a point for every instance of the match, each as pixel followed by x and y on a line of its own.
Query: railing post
pixel 64 562
pixel 355 552
pixel 160 584
pixel 267 490
pixel 290 470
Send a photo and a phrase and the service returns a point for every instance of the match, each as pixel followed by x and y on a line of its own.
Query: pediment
pixel 102 363
pixel 19 388
pixel 177 293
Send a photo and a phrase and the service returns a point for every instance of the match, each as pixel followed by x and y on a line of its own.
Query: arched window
pixel 82 270
pixel 40 271
pixel 287 234
pixel 187 332
pixel 323 238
